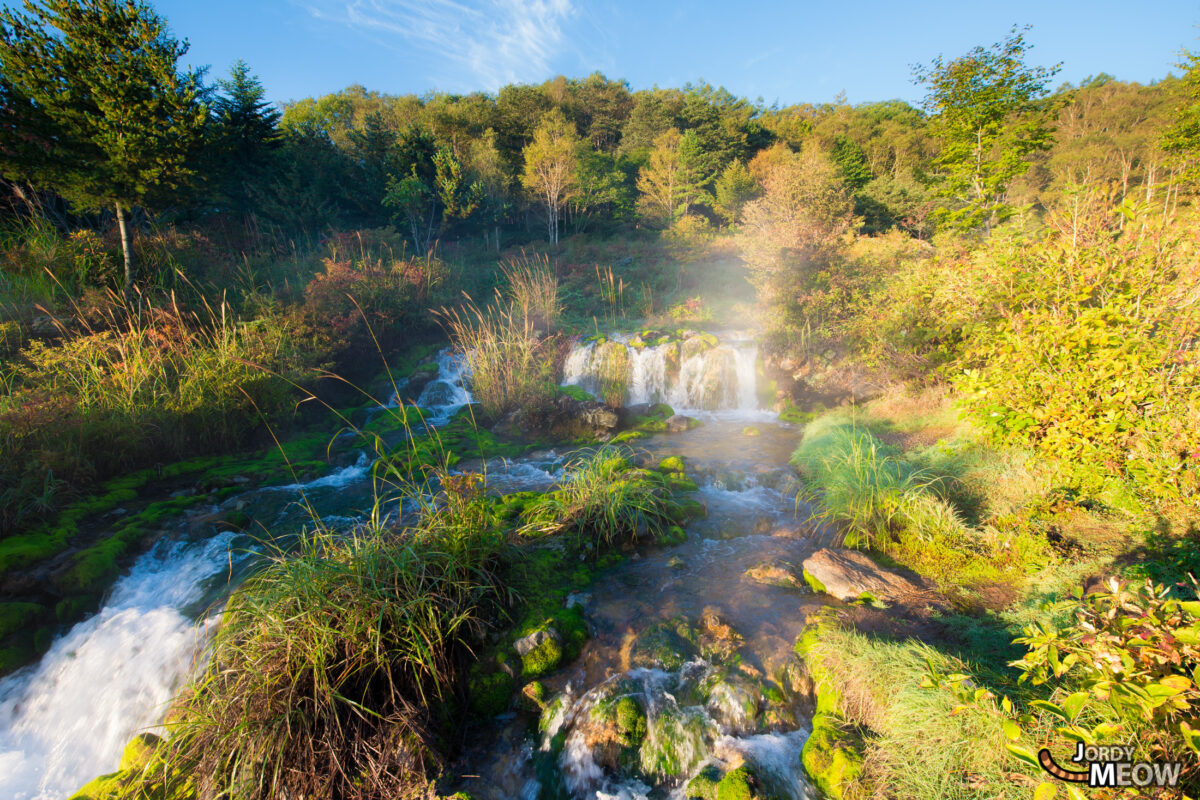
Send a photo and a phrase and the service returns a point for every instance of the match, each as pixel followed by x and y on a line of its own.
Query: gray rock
pixel 534 640
pixel 849 574
pixel 679 423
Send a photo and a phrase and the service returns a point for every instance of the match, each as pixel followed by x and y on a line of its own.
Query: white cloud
pixel 497 41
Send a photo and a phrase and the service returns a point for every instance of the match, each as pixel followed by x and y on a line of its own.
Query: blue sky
pixel 785 52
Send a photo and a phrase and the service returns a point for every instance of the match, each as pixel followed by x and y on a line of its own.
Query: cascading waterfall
pixel 687 737
pixel 63 721
pixel 694 371
pixel 66 719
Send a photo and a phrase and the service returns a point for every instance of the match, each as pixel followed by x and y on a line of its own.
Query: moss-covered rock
pixel 671 465
pixel 138 752
pixel 832 756
pixel 673 535
pixel 489 692
pixel 543 658
pixel 736 785
pixel 17 616
pixel 704 785
pixel 668 645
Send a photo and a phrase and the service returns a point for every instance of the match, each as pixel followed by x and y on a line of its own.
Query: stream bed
pixel 66 719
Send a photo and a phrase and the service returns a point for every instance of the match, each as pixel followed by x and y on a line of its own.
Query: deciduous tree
pixel 550 166
pixel 986 112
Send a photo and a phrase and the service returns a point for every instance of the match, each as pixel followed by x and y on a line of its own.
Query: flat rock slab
pixel 849 574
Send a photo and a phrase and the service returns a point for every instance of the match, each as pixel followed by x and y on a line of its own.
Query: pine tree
pixel 247 133
pixel 95 108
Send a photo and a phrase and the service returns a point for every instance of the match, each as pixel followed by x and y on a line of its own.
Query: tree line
pixel 96 113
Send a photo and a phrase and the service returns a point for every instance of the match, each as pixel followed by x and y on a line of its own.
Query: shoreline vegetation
pixel 982 314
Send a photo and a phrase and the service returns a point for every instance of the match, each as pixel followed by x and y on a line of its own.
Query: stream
pixel 66 719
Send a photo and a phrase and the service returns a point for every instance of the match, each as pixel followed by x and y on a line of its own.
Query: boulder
pixel 850 574
pixel 533 641
pixel 677 423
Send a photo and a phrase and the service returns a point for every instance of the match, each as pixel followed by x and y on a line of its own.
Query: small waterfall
pixel 67 719
pixel 693 371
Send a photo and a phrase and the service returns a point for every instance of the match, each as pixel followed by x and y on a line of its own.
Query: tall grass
pixel 533 291
pixel 865 487
pixel 922 742
pixel 884 502
pixel 513 363
pixel 126 384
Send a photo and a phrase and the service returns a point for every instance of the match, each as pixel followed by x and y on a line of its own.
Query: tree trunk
pixel 126 248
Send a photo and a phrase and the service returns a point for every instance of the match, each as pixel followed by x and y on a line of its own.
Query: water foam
pixel 67 719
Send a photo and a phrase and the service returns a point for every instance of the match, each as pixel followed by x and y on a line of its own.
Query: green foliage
pixel 1089 366
pixel 1128 664
pixel 1182 139
pixel 376 620
pixel 94 106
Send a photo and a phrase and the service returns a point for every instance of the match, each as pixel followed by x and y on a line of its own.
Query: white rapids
pixel 66 720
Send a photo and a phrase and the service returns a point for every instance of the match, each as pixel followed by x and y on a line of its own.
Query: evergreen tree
pixel 95 107
pixel 247 133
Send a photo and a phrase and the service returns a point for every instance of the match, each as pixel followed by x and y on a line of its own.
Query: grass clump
pixel 329 664
pixel 605 501
pixel 887 503
pixel 508 347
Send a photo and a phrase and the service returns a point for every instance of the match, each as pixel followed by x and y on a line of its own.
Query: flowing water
pixel 66 719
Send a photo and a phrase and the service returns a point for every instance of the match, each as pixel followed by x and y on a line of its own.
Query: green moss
pixel 15 616
pixel 735 785
pixel 93 569
pixel 137 753
pixel 671 464
pixel 812 581
pixel 542 659
pixel 15 656
pixel 704 785
pixel 750 430
pixel 489 693
pixel 831 756
pixel 631 722
pixel 681 484
pixel 72 608
pixel 572 631
pixel 21 551
pixel 576 393
pixel 105 787
pixel 668 645
pixel 673 536
pixel 794 414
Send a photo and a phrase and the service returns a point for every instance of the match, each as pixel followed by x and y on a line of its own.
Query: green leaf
pixel 1012 731
pixel 1074 704
pixel 1045 791
pixel 1051 707
pixel 1023 754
